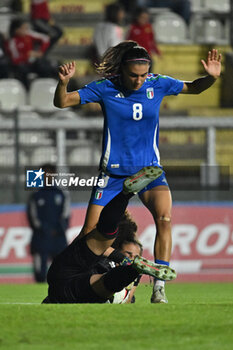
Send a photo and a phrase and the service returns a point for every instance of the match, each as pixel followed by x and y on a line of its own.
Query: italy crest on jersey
pixel 98 194
pixel 150 93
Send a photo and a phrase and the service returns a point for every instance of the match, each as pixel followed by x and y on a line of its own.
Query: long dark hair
pixel 127 232
pixel 15 24
pixel 121 54
pixel 112 11
pixel 138 11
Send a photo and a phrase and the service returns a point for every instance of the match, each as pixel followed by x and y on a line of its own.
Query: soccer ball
pixel 121 297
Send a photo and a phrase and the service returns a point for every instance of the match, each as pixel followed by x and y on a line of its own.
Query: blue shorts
pixel 114 185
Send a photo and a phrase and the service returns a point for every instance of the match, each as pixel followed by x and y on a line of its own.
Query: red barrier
pixel 202 241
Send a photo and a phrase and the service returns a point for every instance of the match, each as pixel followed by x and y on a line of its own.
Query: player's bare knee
pixel 163 220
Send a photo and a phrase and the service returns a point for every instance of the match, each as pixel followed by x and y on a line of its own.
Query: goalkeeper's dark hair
pixel 127 233
pixel 122 54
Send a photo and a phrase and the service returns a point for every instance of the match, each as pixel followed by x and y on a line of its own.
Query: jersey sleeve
pixel 170 85
pixel 92 92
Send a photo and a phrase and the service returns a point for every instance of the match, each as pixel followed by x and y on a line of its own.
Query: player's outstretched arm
pixel 212 67
pixel 62 98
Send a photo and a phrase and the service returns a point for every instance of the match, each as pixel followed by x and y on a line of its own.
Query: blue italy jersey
pixel 131 121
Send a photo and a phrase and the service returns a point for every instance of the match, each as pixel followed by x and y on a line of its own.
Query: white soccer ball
pixel 121 297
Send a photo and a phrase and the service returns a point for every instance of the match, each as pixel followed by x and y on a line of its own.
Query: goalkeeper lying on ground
pixel 71 277
pixel 128 244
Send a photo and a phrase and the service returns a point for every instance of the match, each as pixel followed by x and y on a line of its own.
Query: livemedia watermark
pixel 39 178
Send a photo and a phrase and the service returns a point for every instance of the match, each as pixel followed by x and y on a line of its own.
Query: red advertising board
pixel 202 241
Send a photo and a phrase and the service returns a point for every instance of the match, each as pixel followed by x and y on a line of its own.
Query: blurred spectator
pixel 42 21
pixel 26 50
pixel 48 214
pixel 141 31
pixel 4 62
pixel 110 32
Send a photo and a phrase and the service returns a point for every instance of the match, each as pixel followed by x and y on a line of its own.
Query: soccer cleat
pixel 138 181
pixel 158 295
pixel 147 267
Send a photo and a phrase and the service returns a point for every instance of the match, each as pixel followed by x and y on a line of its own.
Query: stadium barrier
pixel 202 240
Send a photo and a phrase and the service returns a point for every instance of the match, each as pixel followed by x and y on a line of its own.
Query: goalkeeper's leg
pixel 120 277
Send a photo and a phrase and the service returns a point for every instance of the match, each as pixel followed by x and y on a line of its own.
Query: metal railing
pixel 95 125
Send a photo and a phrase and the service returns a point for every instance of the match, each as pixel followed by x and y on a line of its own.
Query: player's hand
pixel 66 71
pixel 213 64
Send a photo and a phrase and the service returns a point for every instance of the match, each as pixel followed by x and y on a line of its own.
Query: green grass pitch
pixel 197 317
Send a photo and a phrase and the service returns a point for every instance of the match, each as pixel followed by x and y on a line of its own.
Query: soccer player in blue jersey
pixel 130 98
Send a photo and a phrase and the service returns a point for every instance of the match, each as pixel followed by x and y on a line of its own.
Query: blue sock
pixel 162 262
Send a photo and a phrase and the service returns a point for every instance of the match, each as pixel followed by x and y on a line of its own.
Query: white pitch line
pixel 8 303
